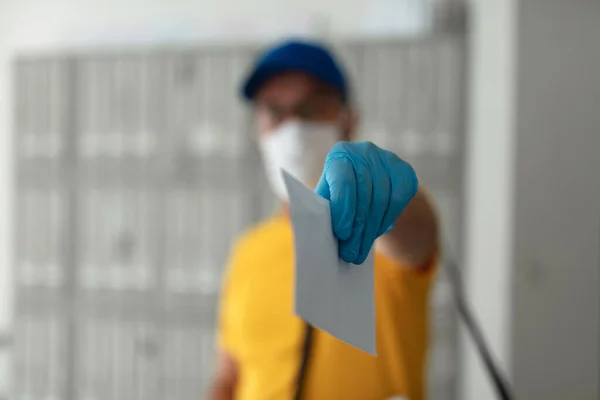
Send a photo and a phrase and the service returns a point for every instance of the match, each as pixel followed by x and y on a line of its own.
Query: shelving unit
pixel 135 172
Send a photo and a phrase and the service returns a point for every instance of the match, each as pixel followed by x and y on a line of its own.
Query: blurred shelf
pixel 152 178
pixel 118 277
pixel 44 275
pixel 47 146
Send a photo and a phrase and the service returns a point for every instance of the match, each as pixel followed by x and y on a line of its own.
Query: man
pixel 301 104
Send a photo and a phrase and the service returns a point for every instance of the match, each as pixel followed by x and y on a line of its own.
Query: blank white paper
pixel 330 294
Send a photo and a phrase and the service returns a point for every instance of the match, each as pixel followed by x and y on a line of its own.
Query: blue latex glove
pixel 368 189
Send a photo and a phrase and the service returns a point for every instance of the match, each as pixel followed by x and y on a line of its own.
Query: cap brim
pixel 259 76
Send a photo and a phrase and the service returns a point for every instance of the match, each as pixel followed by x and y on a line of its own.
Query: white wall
pixel 489 185
pixel 534 198
pixel 556 288
pixel 52 24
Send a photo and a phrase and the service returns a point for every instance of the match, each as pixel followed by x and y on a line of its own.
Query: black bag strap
pixel 306 347
pixel 503 389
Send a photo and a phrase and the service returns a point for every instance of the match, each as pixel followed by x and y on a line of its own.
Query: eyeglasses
pixel 319 106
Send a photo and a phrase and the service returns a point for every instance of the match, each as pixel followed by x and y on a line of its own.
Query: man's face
pixel 296 95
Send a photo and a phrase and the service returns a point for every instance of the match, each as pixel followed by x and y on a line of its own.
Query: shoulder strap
pixel 306 347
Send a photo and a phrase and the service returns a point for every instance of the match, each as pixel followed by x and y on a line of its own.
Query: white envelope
pixel 330 294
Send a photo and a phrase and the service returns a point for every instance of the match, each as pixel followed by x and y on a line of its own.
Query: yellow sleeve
pixel 418 279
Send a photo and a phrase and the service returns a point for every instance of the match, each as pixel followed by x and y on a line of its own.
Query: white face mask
pixel 299 148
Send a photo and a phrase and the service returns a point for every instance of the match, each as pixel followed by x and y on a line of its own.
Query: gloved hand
pixel 368 189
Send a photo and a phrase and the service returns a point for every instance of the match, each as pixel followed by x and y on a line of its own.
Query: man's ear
pixel 349 125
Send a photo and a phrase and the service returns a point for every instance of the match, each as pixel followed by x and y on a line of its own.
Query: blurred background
pixel 127 169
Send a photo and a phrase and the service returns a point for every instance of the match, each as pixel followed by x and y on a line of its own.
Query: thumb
pixel 322 188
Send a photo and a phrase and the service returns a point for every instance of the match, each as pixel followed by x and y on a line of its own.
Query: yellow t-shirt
pixel 259 329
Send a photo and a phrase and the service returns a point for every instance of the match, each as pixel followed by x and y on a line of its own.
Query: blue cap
pixel 312 58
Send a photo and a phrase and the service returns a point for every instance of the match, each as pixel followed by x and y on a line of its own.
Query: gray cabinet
pixel 135 172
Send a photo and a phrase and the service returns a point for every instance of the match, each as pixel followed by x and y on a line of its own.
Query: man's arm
pixel 225 381
pixel 414 238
